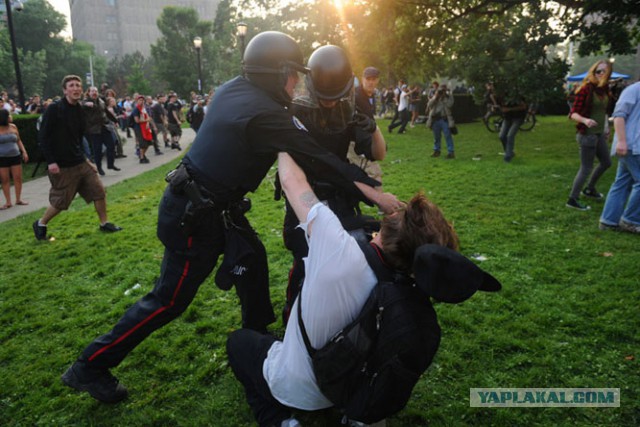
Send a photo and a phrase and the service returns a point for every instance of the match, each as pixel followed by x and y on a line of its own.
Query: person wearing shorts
pixel 174 118
pixel 70 172
pixel 12 152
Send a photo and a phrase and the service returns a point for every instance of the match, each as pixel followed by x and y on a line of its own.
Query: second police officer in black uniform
pixel 201 214
pixel 328 112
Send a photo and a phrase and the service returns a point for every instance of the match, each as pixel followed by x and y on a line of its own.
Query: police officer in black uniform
pixel 329 113
pixel 201 214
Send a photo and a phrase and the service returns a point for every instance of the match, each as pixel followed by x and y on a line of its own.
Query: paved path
pixel 36 191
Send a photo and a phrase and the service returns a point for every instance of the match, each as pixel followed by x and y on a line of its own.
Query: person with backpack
pixel 279 375
pixel 195 115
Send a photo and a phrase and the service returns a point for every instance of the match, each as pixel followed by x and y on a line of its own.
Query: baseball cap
pixel 371 72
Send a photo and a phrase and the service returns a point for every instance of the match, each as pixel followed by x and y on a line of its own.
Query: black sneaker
pixel 40 231
pixel 105 387
pixel 589 192
pixel 158 153
pixel 436 153
pixel 573 203
pixel 451 156
pixel 110 227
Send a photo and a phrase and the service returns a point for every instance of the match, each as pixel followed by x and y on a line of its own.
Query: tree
pixel 510 51
pixel 134 73
pixel 174 53
pixel 138 83
pixel 37 30
pixel 37 25
pixel 612 26
pixel 34 72
pixel 221 59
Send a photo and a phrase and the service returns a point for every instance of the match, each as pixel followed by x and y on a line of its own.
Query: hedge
pixel 26 124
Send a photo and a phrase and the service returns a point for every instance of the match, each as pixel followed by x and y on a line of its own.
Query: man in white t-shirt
pixel 403 111
pixel 278 375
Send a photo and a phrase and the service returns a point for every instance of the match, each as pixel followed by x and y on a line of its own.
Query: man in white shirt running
pixel 278 375
pixel 403 111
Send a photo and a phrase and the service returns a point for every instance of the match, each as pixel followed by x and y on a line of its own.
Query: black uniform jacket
pixel 243 132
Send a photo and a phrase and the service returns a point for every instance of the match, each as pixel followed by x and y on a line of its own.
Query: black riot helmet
pixel 330 76
pixel 270 57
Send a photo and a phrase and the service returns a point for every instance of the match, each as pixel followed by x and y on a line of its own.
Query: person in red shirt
pixel 591 108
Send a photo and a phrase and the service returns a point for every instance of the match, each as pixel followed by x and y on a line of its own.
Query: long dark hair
pixel 4 117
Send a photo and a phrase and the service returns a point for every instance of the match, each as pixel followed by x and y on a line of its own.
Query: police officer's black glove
pixel 364 122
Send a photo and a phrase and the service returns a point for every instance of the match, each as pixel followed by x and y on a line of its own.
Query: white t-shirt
pixel 338 282
pixel 404 101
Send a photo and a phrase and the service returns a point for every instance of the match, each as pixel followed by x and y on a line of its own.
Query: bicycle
pixel 495 119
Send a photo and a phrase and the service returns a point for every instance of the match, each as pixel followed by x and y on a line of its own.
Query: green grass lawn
pixel 567 316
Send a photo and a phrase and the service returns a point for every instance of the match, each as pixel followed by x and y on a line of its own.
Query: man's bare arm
pixel 296 187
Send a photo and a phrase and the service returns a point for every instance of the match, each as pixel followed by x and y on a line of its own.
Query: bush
pixel 26 124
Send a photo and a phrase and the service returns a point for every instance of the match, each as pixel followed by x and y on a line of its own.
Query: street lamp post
pixel 197 43
pixel 242 33
pixel 14 49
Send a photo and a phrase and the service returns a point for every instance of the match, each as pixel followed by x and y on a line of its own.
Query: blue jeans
pixel 439 127
pixel 508 133
pixel 624 190
pixel 97 141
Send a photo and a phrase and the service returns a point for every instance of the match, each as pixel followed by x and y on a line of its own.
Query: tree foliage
pixel 174 53
pixel 36 32
pixel 45 57
pixel 507 41
pixel 612 26
pixel 37 25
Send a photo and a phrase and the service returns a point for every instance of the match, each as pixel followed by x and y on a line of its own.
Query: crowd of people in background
pixel 157 121
pixel 110 121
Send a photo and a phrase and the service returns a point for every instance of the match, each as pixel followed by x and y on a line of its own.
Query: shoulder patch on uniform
pixel 297 123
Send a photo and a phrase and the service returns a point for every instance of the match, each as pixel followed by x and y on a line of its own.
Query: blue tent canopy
pixel 580 77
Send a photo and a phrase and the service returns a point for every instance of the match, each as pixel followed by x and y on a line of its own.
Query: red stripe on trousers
pixel 152 315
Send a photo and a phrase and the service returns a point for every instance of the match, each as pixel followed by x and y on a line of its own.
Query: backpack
pixel 369 368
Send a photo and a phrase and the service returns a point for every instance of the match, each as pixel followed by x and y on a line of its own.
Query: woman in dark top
pixel 592 106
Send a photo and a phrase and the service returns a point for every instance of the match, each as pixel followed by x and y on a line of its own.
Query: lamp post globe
pixel 197 43
pixel 242 34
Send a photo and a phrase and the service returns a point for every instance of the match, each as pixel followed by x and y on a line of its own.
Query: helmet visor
pixel 329 116
pixel 313 98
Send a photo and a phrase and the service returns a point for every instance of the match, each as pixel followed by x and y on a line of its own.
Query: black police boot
pixel 102 386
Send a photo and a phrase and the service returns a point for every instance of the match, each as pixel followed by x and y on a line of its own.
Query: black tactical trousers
pixel 187 262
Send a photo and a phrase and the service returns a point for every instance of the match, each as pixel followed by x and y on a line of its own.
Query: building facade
pixel 120 27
